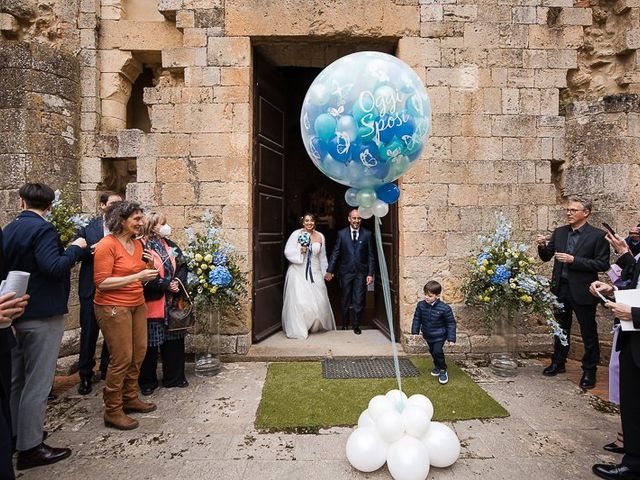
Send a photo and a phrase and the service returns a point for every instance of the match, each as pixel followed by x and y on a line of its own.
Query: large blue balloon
pixel 388 193
pixel 366 119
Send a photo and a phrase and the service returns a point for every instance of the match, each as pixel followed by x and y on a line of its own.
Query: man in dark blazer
pixel 353 259
pixel 579 251
pixel 628 345
pixel 31 244
pixel 89 330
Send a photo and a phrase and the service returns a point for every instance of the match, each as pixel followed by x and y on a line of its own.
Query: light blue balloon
pixel 366 99
pixel 325 127
pixel 350 196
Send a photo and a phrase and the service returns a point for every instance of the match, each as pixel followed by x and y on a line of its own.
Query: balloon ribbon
pixel 386 291
pixel 308 274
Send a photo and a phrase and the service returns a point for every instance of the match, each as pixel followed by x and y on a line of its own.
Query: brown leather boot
pixel 139 406
pixel 119 421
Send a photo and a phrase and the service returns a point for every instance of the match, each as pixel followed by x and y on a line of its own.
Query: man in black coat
pixel 628 345
pixel 353 259
pixel 92 233
pixel 10 308
pixel 579 251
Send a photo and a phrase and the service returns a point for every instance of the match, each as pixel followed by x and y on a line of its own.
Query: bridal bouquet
pixel 503 279
pixel 214 273
pixel 66 216
pixel 304 239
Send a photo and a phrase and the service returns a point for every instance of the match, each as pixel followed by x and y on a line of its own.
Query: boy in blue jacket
pixel 436 321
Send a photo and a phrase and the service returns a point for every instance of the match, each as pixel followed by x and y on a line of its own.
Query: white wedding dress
pixel 306 306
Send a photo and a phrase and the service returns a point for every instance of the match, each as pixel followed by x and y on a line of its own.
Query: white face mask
pixel 164 230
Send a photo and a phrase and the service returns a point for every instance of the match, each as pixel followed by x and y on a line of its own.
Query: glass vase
pixel 207 357
pixel 504 345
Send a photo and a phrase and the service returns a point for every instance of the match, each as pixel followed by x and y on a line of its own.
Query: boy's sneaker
pixel 443 377
pixel 435 372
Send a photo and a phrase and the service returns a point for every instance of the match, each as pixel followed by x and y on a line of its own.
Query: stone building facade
pixel 533 100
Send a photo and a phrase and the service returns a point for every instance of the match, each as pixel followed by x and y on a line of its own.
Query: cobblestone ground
pixel 206 432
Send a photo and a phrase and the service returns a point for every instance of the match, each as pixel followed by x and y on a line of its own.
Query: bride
pixel 306 306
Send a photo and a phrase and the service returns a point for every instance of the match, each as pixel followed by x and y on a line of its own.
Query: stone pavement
pixel 206 432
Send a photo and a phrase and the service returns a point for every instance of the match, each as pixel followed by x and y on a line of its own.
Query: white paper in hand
pixel 631 298
pixel 16 281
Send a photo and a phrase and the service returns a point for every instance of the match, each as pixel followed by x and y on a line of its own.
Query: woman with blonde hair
pixel 169 261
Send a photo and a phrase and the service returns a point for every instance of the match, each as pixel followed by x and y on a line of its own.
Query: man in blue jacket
pixel 32 244
pixel 92 233
pixel 353 258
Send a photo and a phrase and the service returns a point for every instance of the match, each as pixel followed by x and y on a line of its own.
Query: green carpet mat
pixel 295 396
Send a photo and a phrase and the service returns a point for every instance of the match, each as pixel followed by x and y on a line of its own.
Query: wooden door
pixel 389 231
pixel 268 198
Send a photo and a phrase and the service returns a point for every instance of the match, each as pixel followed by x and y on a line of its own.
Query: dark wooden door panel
pixel 389 234
pixel 268 199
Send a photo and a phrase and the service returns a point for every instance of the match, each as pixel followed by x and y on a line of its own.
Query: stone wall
pixel 500 76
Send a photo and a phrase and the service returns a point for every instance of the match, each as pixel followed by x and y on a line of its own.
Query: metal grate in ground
pixel 367 368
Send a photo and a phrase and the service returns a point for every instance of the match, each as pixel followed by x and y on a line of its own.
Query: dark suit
pixel 629 346
pixel 7 342
pixel 89 330
pixel 353 262
pixel 570 283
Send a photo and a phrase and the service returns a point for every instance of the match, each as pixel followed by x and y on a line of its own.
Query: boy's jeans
pixel 437 352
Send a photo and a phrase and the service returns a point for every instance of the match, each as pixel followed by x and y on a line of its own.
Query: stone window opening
pixel 117 173
pixel 137 110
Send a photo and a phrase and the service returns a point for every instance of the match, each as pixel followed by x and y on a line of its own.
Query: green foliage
pixel 65 216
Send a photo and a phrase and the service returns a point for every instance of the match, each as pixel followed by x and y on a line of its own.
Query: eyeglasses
pixel 575 210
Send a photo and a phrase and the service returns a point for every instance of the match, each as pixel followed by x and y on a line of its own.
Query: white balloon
pixel 365 212
pixel 422 402
pixel 416 421
pixel 365 420
pixel 443 445
pixel 380 208
pixel 408 459
pixel 398 398
pixel 377 405
pixel 389 425
pixel 350 196
pixel 366 450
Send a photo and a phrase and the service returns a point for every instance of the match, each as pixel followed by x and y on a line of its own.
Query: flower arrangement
pixel 214 275
pixel 503 278
pixel 304 239
pixel 66 216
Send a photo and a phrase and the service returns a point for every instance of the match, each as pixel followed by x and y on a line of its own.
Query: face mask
pixel 165 230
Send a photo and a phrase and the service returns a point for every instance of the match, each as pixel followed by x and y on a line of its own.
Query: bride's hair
pixel 307 214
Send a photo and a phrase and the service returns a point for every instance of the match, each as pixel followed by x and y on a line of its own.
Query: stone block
pixel 8 23
pixel 491 13
pixel 441 29
pixel 487 35
pixel 548 78
pixel 562 58
pixel 549 101
pixel 575 16
pixel 525 15
pixel 520 78
pixel 460 13
pixel 419 52
pixel 169 145
pixel 431 13
pixel 229 51
pixel 209 17
pixel 499 77
pixel 238 94
pixel 544 37
pixel 185 19
pixel 631 39
pixel 510 101
pixel 70 343
pixel 214 117
pixel 462 195
pixel 462 77
pixel 135 35
pixel 178 194
pixel 536 58
pixel 194 37
pixel 173 170
pixel 513 125
pixel 232 76
pixel 228 193
pixel 182 57
pixel 530 101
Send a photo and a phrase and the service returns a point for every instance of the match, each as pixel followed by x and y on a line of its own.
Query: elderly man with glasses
pixel 579 251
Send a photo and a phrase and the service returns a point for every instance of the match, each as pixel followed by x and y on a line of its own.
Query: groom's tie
pixel 355 237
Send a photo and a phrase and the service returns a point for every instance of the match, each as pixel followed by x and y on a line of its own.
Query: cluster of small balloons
pixel 398 431
pixel 365 121
pixel 372 201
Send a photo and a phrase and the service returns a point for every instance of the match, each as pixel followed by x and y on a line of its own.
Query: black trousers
pixel 586 315
pixel 437 353
pixel 89 331
pixel 172 353
pixel 6 444
pixel 629 406
pixel 353 290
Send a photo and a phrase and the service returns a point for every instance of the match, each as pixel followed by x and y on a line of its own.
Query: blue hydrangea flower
pixel 482 257
pixel 304 239
pixel 220 276
pixel 501 275
pixel 219 258
pixel 192 278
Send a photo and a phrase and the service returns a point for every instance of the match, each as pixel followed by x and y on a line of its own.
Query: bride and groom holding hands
pixel 306 307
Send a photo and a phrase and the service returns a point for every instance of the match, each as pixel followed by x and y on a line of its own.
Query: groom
pixel 353 253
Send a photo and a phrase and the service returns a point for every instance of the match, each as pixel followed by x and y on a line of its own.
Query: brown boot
pixel 119 421
pixel 139 406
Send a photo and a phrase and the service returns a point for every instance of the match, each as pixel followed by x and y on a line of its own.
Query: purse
pixel 180 310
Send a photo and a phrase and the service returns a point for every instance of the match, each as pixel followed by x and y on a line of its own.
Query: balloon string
pixel 386 291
